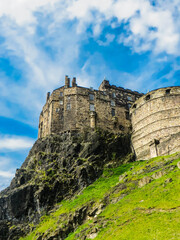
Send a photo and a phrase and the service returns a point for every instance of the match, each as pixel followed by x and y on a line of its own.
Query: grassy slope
pixel 149 212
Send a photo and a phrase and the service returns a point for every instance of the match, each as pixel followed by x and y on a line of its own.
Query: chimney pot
pixel 67 82
pixel 74 82
pixel 47 96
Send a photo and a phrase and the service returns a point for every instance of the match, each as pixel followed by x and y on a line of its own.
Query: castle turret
pixel 67 82
pixel 104 85
pixel 74 82
pixel 155 120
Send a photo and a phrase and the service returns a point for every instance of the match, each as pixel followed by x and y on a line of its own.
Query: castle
pixel 153 119
pixel 72 107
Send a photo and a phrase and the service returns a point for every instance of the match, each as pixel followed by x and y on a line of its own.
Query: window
pixel 121 128
pixel 69 98
pixel 113 103
pixel 113 94
pixel 57 109
pixel 147 97
pixel 68 106
pixel 61 102
pixel 127 116
pixel 113 112
pixel 129 98
pixel 92 107
pixel 91 97
pixel 61 94
pixel 168 91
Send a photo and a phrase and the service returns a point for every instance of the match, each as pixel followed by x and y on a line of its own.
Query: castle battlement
pixel 72 107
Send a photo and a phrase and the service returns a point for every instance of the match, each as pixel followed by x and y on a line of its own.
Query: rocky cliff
pixel 138 200
pixel 57 168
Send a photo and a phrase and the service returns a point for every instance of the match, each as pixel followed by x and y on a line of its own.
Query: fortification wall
pixel 155 121
pixel 83 109
pixel 70 108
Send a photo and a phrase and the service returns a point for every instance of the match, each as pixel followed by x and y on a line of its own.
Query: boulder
pixel 159 174
pixel 178 164
pixel 144 181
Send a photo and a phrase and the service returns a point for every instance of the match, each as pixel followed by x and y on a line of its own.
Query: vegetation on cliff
pixel 87 186
pixel 138 200
pixel 57 167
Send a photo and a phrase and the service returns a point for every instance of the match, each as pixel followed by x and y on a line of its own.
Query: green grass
pixel 147 213
pixel 94 192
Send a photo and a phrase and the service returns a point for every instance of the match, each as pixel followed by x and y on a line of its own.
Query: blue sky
pixel 133 43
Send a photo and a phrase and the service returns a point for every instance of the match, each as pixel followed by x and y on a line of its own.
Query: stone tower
pixel 156 123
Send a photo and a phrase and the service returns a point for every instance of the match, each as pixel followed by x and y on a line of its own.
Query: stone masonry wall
pixel 69 108
pixel 156 123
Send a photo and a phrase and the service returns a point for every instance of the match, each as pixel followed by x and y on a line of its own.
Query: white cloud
pixel 7 171
pixel 148 28
pixel 140 15
pixel 6 174
pixel 64 25
pixel 109 39
pixel 41 72
pixel 4 182
pixel 15 143
pixel 22 11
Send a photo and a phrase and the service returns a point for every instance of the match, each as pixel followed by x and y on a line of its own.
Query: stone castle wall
pixel 156 123
pixel 69 108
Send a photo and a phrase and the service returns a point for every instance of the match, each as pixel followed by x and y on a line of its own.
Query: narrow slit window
pixel 147 97
pixel 113 103
pixel 127 116
pixel 121 128
pixel 92 108
pixel 113 94
pixel 61 102
pixel 68 106
pixel 91 97
pixel 168 91
pixel 61 94
pixel 113 112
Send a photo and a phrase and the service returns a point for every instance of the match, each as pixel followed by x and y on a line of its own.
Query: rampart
pixel 155 121
pixel 74 107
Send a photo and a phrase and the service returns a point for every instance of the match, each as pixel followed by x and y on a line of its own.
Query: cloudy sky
pixel 133 43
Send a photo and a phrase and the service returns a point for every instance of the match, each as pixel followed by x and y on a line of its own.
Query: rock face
pixel 57 167
pixel 178 165
pixel 144 181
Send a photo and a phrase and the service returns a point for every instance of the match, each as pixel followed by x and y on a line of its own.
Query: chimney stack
pixel 67 82
pixel 47 96
pixel 74 82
